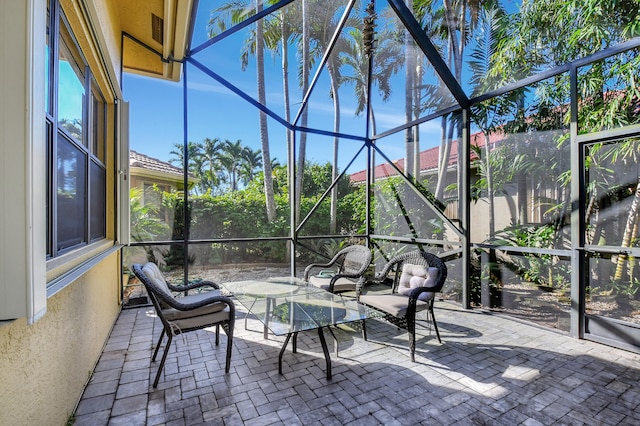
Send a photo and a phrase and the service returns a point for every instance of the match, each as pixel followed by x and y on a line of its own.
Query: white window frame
pixel 25 283
pixel 23 290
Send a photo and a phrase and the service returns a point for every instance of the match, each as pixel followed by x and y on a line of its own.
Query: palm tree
pixel 233 13
pixel 264 132
pixel 385 62
pixel 454 23
pixel 372 60
pixel 304 47
pixel 210 151
pixel 198 170
pixel 193 152
pixel 251 161
pixel 410 76
pixel 324 22
pixel 231 158
pixel 283 31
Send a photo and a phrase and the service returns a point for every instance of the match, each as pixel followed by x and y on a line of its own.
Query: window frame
pixel 91 146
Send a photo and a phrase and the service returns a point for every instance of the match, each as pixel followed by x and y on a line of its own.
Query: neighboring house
pixel 508 199
pixel 147 172
pixel 429 160
pixel 153 177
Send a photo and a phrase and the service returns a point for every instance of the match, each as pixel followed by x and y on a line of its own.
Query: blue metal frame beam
pixel 238 92
pixel 237 27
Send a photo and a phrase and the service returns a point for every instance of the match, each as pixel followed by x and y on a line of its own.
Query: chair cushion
pixel 154 275
pixel 414 276
pixel 175 314
pixel 341 284
pixel 393 304
pixel 201 321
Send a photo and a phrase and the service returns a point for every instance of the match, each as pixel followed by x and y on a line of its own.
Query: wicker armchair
pixel 350 264
pixel 187 313
pixel 417 277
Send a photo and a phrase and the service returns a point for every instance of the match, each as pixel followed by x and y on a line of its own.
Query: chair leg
pixel 217 334
pixel 164 358
pixel 364 330
pixel 228 329
pixel 411 328
pixel 155 353
pixel 435 324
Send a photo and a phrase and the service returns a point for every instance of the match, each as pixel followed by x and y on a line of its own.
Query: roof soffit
pixel 144 55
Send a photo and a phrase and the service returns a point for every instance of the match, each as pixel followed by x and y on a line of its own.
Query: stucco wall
pixel 44 366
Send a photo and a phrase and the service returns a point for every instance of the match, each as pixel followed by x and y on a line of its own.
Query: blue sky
pixel 156 121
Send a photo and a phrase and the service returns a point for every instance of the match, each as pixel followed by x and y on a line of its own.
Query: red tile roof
pixel 149 163
pixel 428 158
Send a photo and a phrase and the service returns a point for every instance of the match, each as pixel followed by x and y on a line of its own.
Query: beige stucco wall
pixel 505 215
pixel 44 366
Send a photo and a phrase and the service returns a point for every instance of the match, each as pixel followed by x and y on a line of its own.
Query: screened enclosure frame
pixel 575 254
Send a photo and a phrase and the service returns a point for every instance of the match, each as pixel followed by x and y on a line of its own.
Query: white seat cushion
pixel 153 273
pixel 393 304
pixel 414 276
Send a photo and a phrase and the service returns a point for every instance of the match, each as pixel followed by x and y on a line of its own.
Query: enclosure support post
pixel 578 277
pixel 464 206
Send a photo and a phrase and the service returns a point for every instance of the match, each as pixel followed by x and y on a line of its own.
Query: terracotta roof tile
pixel 428 158
pixel 149 163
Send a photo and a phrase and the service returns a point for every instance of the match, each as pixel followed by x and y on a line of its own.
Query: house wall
pixel 139 181
pixel 67 305
pixel 44 366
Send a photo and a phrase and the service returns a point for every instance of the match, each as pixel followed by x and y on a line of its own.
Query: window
pixel 76 134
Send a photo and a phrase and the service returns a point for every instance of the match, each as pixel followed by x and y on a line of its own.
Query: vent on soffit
pixel 157 28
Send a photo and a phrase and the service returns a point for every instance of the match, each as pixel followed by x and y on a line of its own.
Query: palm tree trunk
pixel 302 147
pixel 336 141
pixel 444 154
pixel 456 46
pixel 264 132
pixel 409 70
pixel 632 219
pixel 489 177
pixel 284 36
pixel 416 128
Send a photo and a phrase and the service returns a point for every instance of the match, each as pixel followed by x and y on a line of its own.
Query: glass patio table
pixel 287 306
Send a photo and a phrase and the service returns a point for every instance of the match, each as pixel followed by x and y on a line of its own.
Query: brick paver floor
pixel 489 370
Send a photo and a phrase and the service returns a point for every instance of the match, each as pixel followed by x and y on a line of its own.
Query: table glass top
pixel 270 287
pixel 287 305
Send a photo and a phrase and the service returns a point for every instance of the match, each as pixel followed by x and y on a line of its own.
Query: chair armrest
pixel 177 304
pixel 336 277
pixel 191 286
pixel 416 292
pixel 379 279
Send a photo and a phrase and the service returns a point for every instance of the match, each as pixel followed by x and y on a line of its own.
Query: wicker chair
pixel 415 278
pixel 187 313
pixel 349 264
